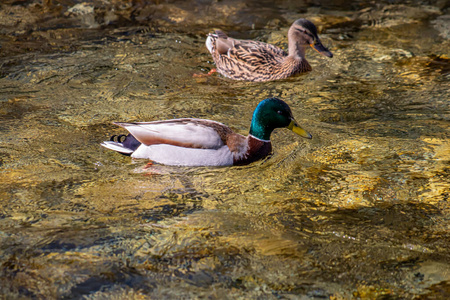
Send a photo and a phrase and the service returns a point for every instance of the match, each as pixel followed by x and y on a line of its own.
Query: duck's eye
pixel 279 112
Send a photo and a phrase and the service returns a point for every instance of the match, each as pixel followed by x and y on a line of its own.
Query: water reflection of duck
pixel 199 142
pixel 258 61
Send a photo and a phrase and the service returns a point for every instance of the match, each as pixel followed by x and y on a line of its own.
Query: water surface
pixel 359 211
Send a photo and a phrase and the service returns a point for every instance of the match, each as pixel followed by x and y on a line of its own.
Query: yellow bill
pixel 298 130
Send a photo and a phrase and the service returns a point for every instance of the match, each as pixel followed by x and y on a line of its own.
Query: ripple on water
pixel 358 211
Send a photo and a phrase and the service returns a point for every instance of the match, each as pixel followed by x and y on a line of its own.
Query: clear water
pixel 359 211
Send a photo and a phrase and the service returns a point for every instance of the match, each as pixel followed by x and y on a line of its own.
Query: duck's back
pixel 250 60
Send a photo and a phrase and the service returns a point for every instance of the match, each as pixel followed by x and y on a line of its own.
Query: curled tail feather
pixel 124 144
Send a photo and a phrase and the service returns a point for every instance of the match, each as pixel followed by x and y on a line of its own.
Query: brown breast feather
pixel 256 150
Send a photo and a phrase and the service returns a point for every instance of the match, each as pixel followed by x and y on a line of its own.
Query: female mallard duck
pixel 258 61
pixel 199 142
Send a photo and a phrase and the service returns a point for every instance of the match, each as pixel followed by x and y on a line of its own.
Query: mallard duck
pixel 199 142
pixel 258 61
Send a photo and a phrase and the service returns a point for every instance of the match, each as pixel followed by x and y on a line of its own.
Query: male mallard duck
pixel 199 142
pixel 258 61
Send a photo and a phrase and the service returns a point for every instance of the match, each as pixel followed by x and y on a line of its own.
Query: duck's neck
pixel 296 58
pixel 259 129
pixel 296 50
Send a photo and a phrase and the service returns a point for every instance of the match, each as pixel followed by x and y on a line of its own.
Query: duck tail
pixel 124 144
pixel 210 41
pixel 218 40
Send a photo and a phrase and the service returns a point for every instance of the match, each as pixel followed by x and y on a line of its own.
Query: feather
pixel 190 133
pixel 180 156
pixel 258 61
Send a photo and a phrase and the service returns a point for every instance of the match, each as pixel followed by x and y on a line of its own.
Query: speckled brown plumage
pixel 258 61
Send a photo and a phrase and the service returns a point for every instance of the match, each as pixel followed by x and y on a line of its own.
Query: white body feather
pixel 180 156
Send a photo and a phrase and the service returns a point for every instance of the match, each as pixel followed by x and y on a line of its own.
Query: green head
pixel 273 113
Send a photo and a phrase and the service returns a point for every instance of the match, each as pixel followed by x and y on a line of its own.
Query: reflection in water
pixel 359 211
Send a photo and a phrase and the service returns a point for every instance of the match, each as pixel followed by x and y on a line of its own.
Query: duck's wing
pixel 248 60
pixel 188 133
pixel 246 52
pixel 254 53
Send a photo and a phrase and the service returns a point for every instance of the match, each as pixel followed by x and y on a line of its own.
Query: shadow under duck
pixel 257 61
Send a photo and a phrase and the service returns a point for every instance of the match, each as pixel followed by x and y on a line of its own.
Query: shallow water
pixel 359 211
